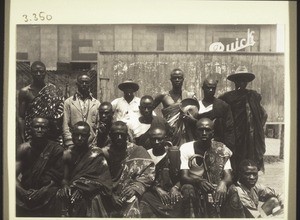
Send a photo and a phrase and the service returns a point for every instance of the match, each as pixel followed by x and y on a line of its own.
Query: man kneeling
pixel 205 173
pixel 39 172
pixel 86 176
pixel 164 198
pixel 244 199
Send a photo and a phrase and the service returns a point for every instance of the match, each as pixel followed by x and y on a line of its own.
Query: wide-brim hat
pixel 241 74
pixel 188 102
pixel 128 84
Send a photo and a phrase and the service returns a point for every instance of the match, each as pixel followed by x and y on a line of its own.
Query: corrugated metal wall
pixel 151 70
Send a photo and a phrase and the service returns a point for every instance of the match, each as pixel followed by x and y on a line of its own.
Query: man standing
pixel 244 197
pixel 141 126
pixel 105 123
pixel 40 164
pixel 206 173
pixel 132 171
pixel 171 105
pixel 39 99
pixel 80 107
pixel 249 118
pixel 219 112
pixel 86 176
pixel 126 108
pixel 163 199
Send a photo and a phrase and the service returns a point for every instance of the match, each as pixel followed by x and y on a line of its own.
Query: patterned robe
pixel 166 176
pixel 49 103
pixel 90 175
pixel 136 171
pixel 39 170
pixel 249 118
pixel 174 116
pixel 210 165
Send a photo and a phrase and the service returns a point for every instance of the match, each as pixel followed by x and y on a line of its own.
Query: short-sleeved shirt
pixel 187 151
pixel 250 198
pixel 124 111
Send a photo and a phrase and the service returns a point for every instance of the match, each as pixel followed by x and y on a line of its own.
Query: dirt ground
pixel 273 176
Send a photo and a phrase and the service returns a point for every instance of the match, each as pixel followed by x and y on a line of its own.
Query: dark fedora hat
pixel 188 102
pixel 241 74
pixel 128 84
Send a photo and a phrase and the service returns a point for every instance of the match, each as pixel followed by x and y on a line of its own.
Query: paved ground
pixel 272 146
pixel 273 176
pixel 274 167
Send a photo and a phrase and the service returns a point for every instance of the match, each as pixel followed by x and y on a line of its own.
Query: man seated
pixel 205 173
pixel 140 127
pixel 249 199
pixel 86 176
pixel 40 164
pixel 132 171
pixel 163 198
pixel 105 122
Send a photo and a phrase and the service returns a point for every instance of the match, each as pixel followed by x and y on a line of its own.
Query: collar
pixel 243 187
pixel 78 95
pixel 135 99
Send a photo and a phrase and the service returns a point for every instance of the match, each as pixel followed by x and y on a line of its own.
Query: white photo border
pixel 151 12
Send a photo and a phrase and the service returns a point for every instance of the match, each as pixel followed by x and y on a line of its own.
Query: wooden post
pixel 281 133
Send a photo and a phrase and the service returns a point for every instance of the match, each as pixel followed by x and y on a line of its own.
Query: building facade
pixel 147 53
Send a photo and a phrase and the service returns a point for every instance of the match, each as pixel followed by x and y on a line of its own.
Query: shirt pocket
pixel 135 109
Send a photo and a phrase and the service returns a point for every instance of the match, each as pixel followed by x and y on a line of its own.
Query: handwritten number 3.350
pixel 35 17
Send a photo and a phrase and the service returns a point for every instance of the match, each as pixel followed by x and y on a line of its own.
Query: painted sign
pixel 234 46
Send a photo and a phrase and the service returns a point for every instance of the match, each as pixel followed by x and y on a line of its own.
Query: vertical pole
pixel 281 133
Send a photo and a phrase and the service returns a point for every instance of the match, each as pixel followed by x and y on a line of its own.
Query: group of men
pixel 83 158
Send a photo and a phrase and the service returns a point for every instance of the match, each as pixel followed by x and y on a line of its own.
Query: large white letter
pixel 216 46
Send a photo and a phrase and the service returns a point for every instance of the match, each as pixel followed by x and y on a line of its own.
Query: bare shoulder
pixel 24 147
pixel 23 150
pixel 67 155
pixel 160 97
pixel 24 91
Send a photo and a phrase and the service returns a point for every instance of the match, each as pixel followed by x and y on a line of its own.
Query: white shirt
pixel 124 111
pixel 203 109
pixel 187 151
pixel 156 159
pixel 137 127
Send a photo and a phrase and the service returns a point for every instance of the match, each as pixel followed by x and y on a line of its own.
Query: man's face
pixel 105 113
pixel 209 91
pixel 146 108
pixel 39 127
pixel 157 138
pixel 205 131
pixel 249 176
pixel 128 93
pixel 240 85
pixel 177 79
pixel 83 83
pixel 38 73
pixel 118 137
pixel 80 136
